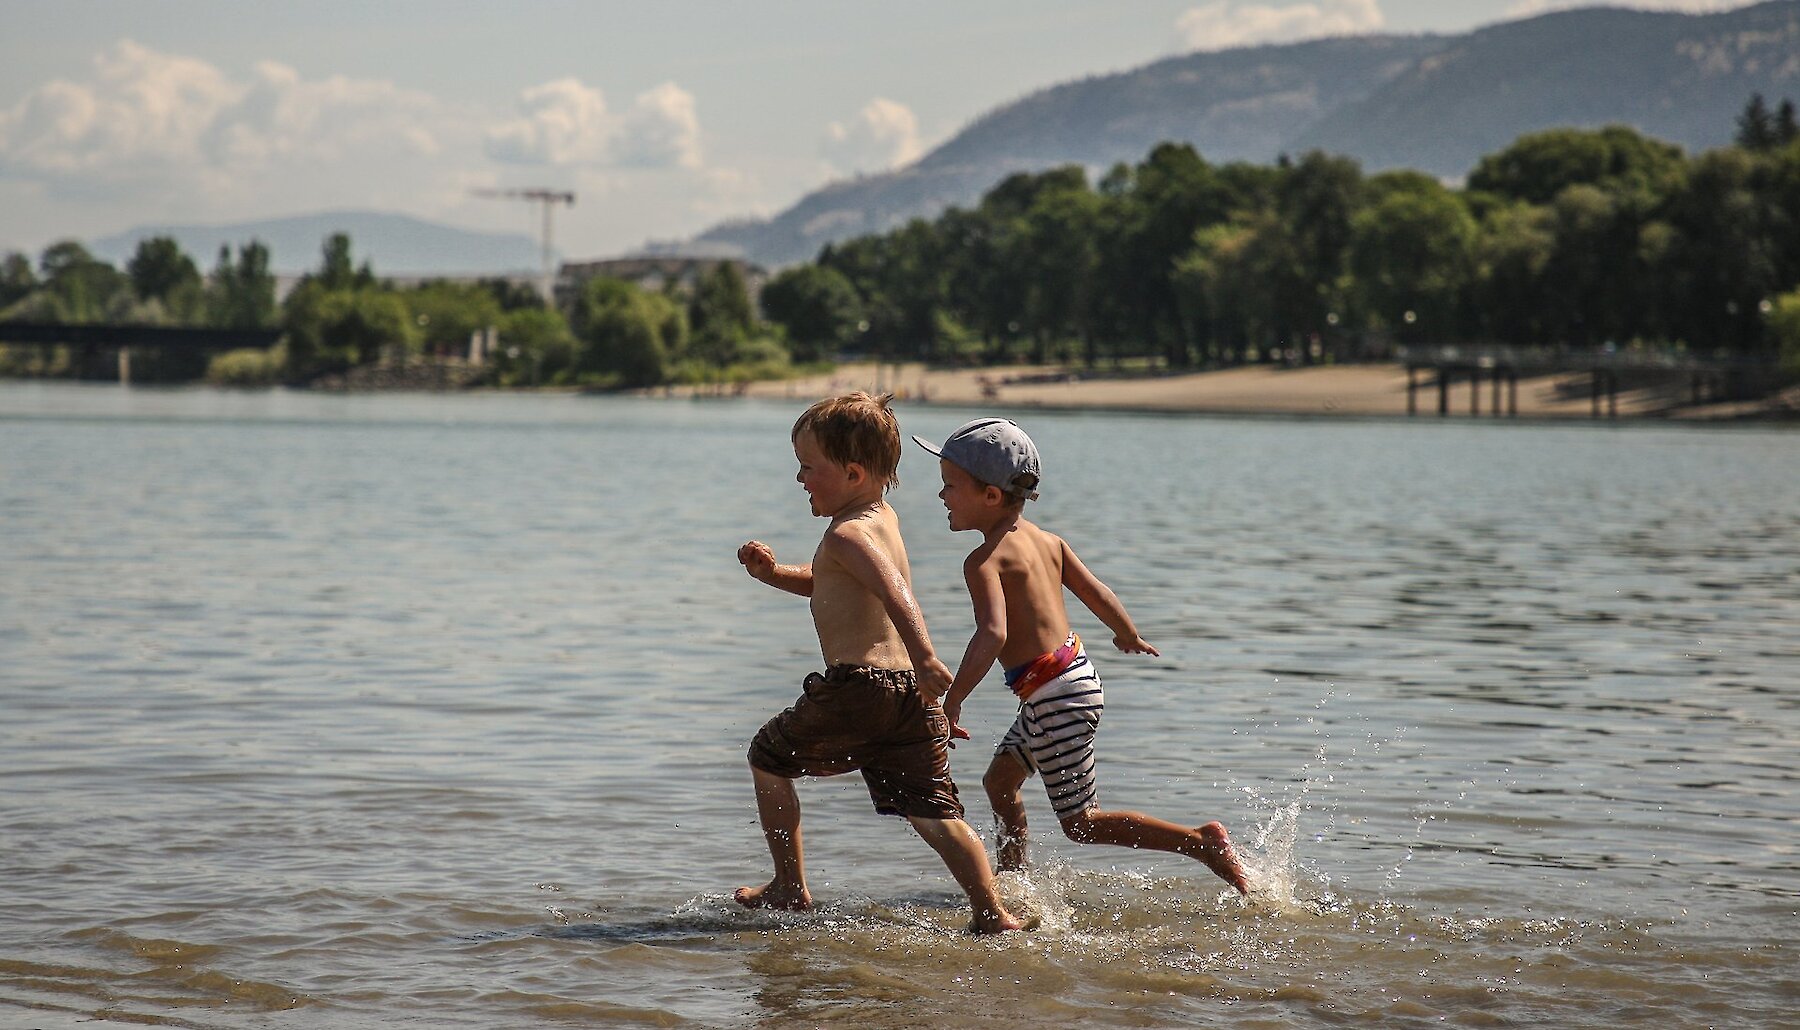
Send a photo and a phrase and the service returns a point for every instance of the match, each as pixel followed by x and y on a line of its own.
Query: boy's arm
pixel 870 566
pixel 759 562
pixel 989 599
pixel 1099 599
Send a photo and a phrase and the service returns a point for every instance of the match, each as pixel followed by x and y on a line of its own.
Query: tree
pixel 983 293
pixel 720 316
pixel 1784 328
pixel 1411 254
pixel 1224 284
pixel 626 333
pixel 331 330
pixel 1729 256
pixel 535 346
pixel 448 314
pixel 336 269
pixel 1173 194
pixel 513 296
pixel 1512 254
pixel 241 294
pixel 1787 124
pixel 160 271
pixel 1316 200
pixel 1538 166
pixel 17 280
pixel 1057 249
pixel 817 306
pixel 79 287
pixel 1755 126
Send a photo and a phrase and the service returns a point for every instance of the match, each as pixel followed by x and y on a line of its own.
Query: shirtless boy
pixel 1016 579
pixel 877 707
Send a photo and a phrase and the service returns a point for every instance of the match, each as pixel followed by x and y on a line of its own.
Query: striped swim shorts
pixel 1053 735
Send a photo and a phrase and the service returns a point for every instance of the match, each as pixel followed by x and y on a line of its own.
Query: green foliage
pixel 17 279
pixel 720 317
pixel 1568 238
pixel 1759 129
pixel 330 330
pixel 448 314
pixel 1411 255
pixel 1541 165
pixel 536 347
pixel 249 367
pixel 817 306
pixel 1512 256
pixel 340 316
pixel 159 271
pixel 240 294
pixel 513 296
pixel 337 271
pixel 1784 327
pixel 77 287
pixel 626 335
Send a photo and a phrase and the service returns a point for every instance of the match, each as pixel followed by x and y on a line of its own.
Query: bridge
pixel 1682 378
pixel 125 337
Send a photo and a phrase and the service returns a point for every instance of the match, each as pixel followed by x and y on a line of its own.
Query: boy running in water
pixel 1016 579
pixel 877 706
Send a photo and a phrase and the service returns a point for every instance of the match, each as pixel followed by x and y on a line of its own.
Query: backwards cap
pixel 995 451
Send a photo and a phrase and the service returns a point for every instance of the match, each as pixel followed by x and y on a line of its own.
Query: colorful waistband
pixel 1026 678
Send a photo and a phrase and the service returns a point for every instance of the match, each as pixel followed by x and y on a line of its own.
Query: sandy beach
pixel 1360 390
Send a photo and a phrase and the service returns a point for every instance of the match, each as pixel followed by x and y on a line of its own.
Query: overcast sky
pixel 664 116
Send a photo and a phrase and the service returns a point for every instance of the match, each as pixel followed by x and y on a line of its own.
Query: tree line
pixel 342 315
pixel 1569 239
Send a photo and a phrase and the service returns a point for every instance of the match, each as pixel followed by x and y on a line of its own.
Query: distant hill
pixel 1434 103
pixel 1679 77
pixel 393 244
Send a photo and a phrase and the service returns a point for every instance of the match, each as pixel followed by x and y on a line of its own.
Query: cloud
pixel 560 122
pixel 662 130
pixel 141 136
pixel 883 135
pixel 148 122
pixel 141 108
pixel 1226 24
pixel 566 122
pixel 1527 8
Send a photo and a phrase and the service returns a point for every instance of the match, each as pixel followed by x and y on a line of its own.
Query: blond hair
pixel 856 428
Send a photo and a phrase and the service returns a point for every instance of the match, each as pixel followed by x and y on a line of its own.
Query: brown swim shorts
pixel 873 720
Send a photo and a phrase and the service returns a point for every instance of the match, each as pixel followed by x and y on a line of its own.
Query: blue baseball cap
pixel 996 452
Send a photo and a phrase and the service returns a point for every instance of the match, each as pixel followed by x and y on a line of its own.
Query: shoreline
pixel 1330 391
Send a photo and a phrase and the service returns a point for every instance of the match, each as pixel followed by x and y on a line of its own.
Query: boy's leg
pixel 962 852
pixel 778 806
pixel 1210 843
pixel 1002 781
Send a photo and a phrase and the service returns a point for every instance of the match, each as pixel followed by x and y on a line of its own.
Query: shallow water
pixel 430 710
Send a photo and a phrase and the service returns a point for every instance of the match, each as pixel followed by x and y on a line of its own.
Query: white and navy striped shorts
pixel 1054 736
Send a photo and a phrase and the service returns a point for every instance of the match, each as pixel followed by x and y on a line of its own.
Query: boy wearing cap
pixel 876 708
pixel 1016 579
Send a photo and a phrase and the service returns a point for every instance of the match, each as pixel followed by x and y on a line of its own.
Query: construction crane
pixel 547 199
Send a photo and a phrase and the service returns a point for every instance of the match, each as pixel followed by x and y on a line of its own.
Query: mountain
pixel 1679 77
pixel 1434 103
pixel 392 244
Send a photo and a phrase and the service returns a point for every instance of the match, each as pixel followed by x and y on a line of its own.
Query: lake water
pixel 368 711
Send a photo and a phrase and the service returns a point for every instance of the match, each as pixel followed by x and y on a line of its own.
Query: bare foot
pixel 1221 857
pixel 774 895
pixel 1004 922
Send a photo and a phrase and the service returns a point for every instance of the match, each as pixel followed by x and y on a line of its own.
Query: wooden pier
pixel 1678 378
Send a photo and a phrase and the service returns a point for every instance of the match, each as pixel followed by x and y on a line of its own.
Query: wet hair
pixel 857 428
